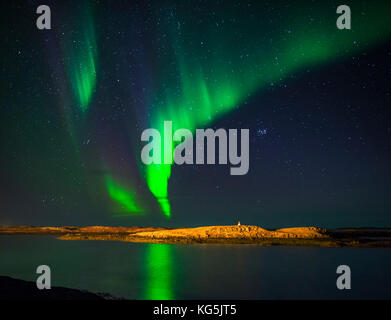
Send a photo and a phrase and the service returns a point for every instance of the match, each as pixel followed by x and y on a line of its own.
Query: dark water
pixel 163 271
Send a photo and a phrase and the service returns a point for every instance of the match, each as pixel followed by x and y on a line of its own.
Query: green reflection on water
pixel 159 283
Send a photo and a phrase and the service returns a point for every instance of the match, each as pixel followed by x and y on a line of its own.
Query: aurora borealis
pixel 82 68
pixel 204 89
pixel 79 96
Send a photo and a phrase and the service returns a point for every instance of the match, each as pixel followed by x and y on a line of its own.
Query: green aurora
pixel 206 72
pixel 122 196
pixel 82 64
pixel 220 68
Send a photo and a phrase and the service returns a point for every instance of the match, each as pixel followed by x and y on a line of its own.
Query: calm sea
pixel 164 271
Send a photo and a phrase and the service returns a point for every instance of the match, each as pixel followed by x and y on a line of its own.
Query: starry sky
pixel 75 100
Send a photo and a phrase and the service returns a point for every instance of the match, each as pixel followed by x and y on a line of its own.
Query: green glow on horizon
pixel 124 197
pixel 231 70
pixel 159 272
pixel 82 65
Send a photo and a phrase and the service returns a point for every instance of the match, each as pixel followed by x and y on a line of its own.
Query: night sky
pixel 75 99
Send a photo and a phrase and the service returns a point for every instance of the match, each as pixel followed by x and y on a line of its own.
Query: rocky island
pixel 236 234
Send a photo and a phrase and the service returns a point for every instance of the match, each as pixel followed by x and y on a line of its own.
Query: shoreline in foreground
pixel 17 289
pixel 237 234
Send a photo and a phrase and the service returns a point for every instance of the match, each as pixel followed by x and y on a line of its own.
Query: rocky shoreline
pixel 15 289
pixel 237 234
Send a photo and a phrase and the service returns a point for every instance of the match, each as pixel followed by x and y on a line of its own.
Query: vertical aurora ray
pixel 159 275
pixel 157 179
pixel 82 62
pixel 224 64
pixel 82 54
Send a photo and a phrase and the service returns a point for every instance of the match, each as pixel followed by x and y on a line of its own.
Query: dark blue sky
pixel 324 160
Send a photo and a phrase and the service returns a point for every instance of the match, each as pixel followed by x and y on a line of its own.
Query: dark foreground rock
pixel 14 289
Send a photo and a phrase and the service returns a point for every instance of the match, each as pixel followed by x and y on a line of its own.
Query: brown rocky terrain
pixel 233 232
pixel 71 230
pixel 245 234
